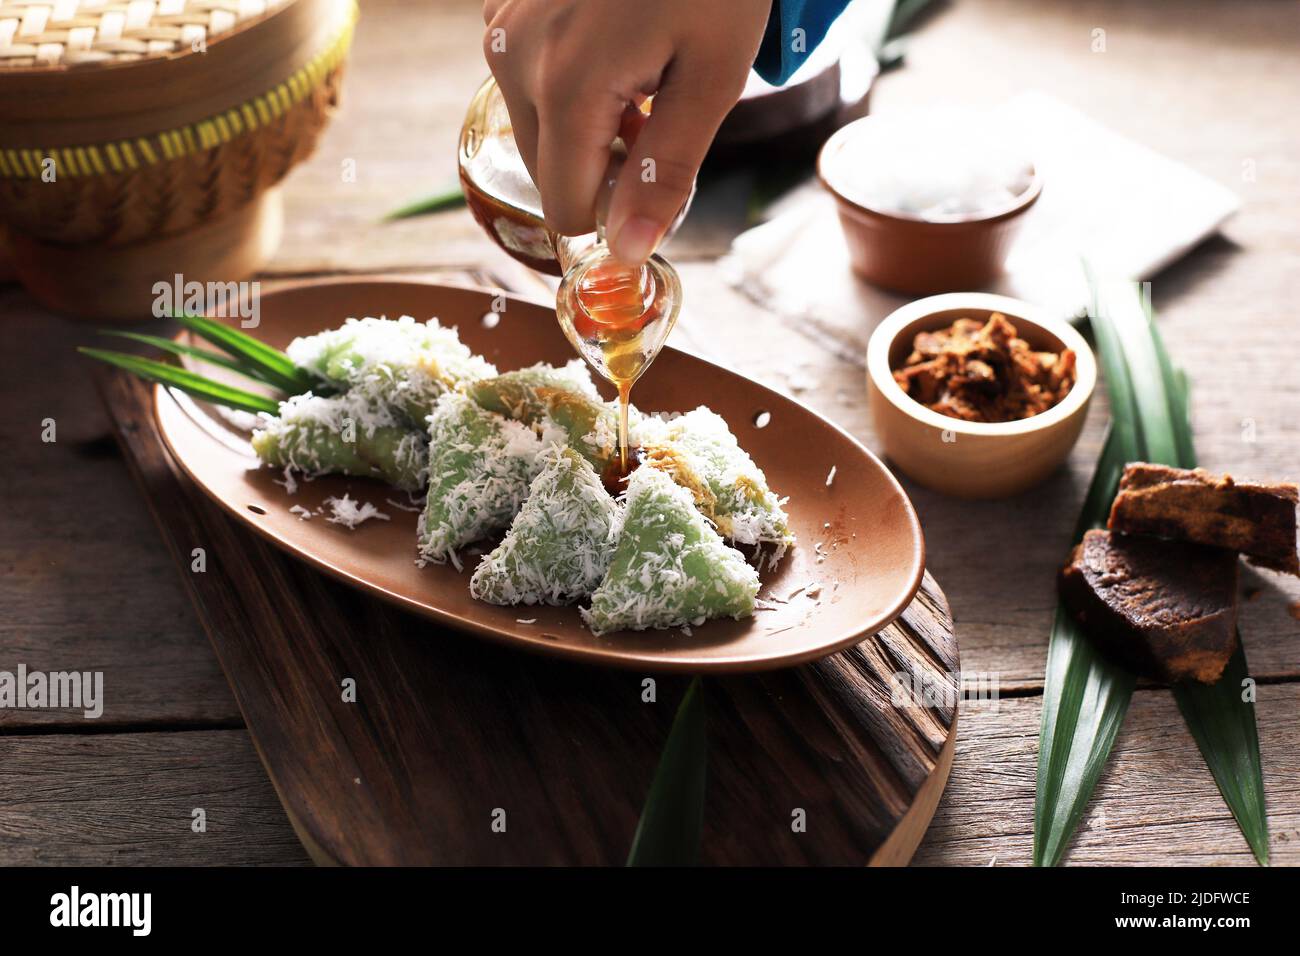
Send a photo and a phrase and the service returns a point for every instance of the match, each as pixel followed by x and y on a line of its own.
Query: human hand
pixel 572 72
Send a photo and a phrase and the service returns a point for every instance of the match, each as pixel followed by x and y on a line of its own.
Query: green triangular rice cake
pixel 401 363
pixel 591 426
pixel 480 467
pixel 522 394
pixel 560 544
pixel 699 452
pixel 563 397
pixel 670 568
pixel 343 435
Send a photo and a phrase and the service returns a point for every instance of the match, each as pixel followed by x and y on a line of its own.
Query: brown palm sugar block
pixel 1255 518
pixel 1166 609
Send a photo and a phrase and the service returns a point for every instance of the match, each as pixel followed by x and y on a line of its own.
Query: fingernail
pixel 636 240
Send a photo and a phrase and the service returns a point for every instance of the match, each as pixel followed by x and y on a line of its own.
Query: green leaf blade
pixel 1223 724
pixel 668 833
pixel 176 348
pixel 186 381
pixel 1084 695
pixel 451 198
pixel 1082 714
pixel 273 365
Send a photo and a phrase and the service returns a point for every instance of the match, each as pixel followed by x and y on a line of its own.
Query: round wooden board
pixel 446 729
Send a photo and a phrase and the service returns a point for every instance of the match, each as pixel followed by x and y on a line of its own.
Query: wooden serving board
pixel 447 730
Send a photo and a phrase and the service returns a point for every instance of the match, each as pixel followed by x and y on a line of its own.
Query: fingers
pixel 573 137
pixel 662 165
pixel 524 125
pixel 523 115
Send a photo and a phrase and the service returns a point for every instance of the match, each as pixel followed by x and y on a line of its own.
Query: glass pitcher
pixel 617 317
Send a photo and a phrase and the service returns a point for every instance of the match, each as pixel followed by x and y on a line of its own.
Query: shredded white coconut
pixel 670 567
pixel 699 452
pixel 350 513
pixel 290 484
pixel 401 364
pixel 481 466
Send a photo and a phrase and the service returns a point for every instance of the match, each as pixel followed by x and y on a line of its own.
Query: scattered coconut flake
pixel 401 507
pixel 686 630
pixel 813 589
pixel 350 513
pixel 290 484
pixel 796 592
pixel 830 477
pixel 302 513
pixel 761 605
pixel 800 382
pixel 525 620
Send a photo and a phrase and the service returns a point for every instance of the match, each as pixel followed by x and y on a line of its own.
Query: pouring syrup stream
pixel 615 302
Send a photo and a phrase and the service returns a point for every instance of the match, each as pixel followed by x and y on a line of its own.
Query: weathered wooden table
pixel 86 584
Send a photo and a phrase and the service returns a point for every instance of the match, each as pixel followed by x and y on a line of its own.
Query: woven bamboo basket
pixel 144 139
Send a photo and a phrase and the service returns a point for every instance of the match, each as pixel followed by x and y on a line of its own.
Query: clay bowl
pixel 916 256
pixel 974 459
pixel 857 565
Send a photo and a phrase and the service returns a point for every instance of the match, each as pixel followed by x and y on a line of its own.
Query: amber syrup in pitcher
pixel 618 316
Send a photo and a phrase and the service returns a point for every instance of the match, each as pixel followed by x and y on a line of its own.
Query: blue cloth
pixel 777 57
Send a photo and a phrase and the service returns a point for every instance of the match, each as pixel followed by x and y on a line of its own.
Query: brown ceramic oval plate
pixel 857 564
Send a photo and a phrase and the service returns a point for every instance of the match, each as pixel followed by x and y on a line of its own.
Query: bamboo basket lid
pixel 53 34
pixel 61 105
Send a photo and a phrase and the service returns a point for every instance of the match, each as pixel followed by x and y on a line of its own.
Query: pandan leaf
pixel 668 833
pixel 176 348
pixel 273 365
pixel 1220 716
pixel 1223 722
pixel 451 198
pixel 1085 696
pixel 186 381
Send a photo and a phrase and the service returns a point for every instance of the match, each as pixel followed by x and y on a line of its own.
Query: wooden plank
pixel 1156 803
pixel 85 585
pixel 446 730
pixel 129 800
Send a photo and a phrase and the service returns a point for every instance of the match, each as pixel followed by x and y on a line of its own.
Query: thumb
pixel 660 171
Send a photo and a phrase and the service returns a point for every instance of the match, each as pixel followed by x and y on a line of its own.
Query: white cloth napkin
pixel 1126 209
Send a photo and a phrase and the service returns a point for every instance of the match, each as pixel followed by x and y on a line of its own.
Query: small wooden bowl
pixel 918 256
pixel 974 459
